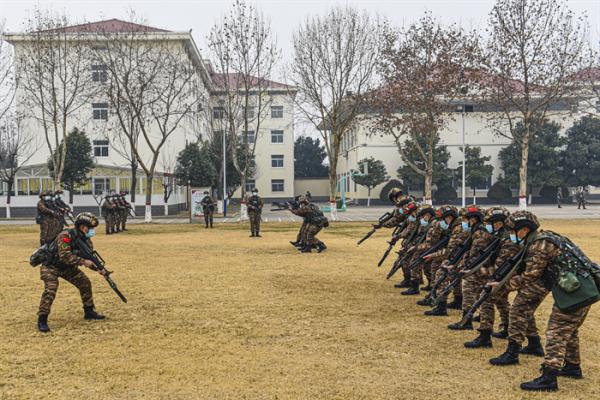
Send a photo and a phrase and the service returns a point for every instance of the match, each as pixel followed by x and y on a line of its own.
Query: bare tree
pixel 333 67
pixel 244 53
pixel 424 69
pixel 152 88
pixel 534 48
pixel 168 179
pixel 7 76
pixel 55 83
pixel 17 146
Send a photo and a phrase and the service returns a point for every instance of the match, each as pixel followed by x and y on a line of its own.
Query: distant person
pixel 255 205
pixel 581 198
pixel 559 197
pixel 208 209
pixel 308 195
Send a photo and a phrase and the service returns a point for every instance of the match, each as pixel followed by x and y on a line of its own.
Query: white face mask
pixel 254 193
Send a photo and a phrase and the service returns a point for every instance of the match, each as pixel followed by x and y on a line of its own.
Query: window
pixel 218 112
pixel 99 73
pixel 100 148
pixel 277 161
pixel 125 185
pixel 250 184
pixel 100 111
pixel 101 186
pixel 276 111
pixel 249 112
pixel 276 136
pixel 248 135
pixel 277 185
pixel 468 108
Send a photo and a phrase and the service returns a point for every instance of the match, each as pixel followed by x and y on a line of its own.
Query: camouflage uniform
pixel 255 205
pixel 67 269
pixel 50 225
pixel 473 284
pixel 457 237
pixel 208 209
pixel 312 226
pixel 116 218
pixel 434 234
pixel 108 214
pixel 123 212
pixel 405 235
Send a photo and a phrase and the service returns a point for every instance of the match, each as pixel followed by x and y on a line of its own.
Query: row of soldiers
pixel 116 210
pixel 51 212
pixel 483 255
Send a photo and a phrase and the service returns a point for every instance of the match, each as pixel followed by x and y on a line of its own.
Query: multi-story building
pixel 274 143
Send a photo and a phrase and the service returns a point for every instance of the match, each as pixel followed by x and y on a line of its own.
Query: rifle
pixel 288 205
pixel 126 204
pixel 454 258
pixel 415 240
pixel 93 256
pixel 382 220
pixel 442 243
pixel 52 205
pixel 392 242
pixel 490 251
pixel 65 206
pixel 502 275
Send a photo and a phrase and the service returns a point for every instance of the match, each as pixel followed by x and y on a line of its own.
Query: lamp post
pixel 464 160
pixel 224 174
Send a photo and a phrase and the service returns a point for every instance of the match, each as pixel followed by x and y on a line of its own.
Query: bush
pixel 444 194
pixel 385 190
pixel 549 192
pixel 499 192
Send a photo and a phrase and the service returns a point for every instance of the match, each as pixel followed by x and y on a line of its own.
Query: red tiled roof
pixel 235 80
pixel 108 26
pixel 589 74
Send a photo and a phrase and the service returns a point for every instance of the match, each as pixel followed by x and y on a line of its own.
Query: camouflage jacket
pixel 255 204
pixel 107 208
pixel 67 253
pixel 481 239
pixel 434 234
pixel 44 210
pixel 398 217
pixel 208 204
pixel 540 254
pixel 457 238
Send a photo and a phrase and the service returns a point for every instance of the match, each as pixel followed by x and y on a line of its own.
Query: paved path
pixel 355 214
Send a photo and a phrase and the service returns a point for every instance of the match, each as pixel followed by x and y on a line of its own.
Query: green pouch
pixel 568 281
pixel 586 294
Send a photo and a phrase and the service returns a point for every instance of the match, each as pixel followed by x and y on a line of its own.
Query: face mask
pixel 254 193
pixel 444 225
pixel 57 197
pixel 47 198
pixel 90 233
pixel 411 218
pixel 423 222
pixel 489 228
pixel 514 238
pixel 465 226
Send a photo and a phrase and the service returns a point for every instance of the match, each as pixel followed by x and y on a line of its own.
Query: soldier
pixel 49 218
pixel 124 207
pixel 66 266
pixel 208 209
pixel 409 212
pixel 495 219
pixel 472 284
pixel 255 205
pixel 559 197
pixel 315 222
pixel 531 291
pixel 108 214
pixel 459 232
pixel 581 198
pixel 432 231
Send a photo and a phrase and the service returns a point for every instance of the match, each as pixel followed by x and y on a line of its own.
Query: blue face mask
pixel 90 233
pixel 444 225
pixel 423 222
pixel 465 226
pixel 47 198
pixel 411 218
pixel 489 228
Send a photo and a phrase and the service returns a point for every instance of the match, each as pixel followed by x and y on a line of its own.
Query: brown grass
pixel 215 314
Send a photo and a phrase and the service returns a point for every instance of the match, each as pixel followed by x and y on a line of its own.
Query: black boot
pixel 457 326
pixel 90 313
pixel 426 302
pixel 547 382
pixel 306 249
pixel 483 340
pixel 43 323
pixel 413 289
pixel 456 303
pixel 295 244
pixel 403 284
pixel 477 318
pixel 510 356
pixel 571 371
pixel 258 234
pixel 440 310
pixel 534 347
pixel 252 235
pixel 502 333
pixel 321 247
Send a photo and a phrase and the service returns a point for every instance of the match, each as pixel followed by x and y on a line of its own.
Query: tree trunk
pixel 71 196
pixel 133 187
pixel 428 187
pixel 523 172
pixel 243 207
pixel 369 196
pixel 8 197
pixel 333 182
pixel 474 196
pixel 148 208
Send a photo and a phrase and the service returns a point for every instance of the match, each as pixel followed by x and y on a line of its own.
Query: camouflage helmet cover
pixel 521 219
pixel 494 214
pixel 394 194
pixel 86 218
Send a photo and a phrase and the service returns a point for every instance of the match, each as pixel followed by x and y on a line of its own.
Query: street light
pixel 224 174
pixel 463 109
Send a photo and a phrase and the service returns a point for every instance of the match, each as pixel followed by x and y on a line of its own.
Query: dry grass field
pixel 217 315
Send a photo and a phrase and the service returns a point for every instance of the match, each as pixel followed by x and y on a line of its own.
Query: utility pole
pixel 224 174
pixel 464 160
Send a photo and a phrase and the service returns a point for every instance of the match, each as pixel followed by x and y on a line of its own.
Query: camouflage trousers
pixel 430 270
pixel 208 218
pixel 562 339
pixel 255 219
pixel 49 229
pixel 521 319
pixel 301 232
pixel 310 235
pixel 108 224
pixel 488 314
pixel 416 272
pixel 123 214
pixel 49 275
pixel 445 283
pixel 472 286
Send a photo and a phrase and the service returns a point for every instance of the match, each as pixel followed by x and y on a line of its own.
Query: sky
pixel 285 15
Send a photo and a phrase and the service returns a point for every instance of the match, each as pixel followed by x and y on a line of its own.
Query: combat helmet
pixel 426 209
pixel 521 219
pixel 86 218
pixel 394 194
pixel 302 199
pixel 494 214
pixel 474 211
pixel 410 208
pixel 446 210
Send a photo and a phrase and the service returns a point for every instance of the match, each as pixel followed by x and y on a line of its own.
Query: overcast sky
pixel 285 15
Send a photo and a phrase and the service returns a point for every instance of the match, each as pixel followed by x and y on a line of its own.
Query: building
pixel 112 153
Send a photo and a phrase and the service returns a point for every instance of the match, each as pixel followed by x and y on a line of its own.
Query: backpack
pixel 573 278
pixel 45 255
pixel 317 217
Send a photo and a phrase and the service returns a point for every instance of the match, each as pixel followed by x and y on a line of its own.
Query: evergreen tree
pixel 374 173
pixel 478 173
pixel 581 156
pixel 194 165
pixel 442 176
pixel 78 161
pixel 308 158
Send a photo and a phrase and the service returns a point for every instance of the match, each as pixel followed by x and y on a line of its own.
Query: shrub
pixel 383 195
pixel 499 192
pixel 444 194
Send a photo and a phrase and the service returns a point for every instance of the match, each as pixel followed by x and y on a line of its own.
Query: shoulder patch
pixel 66 239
